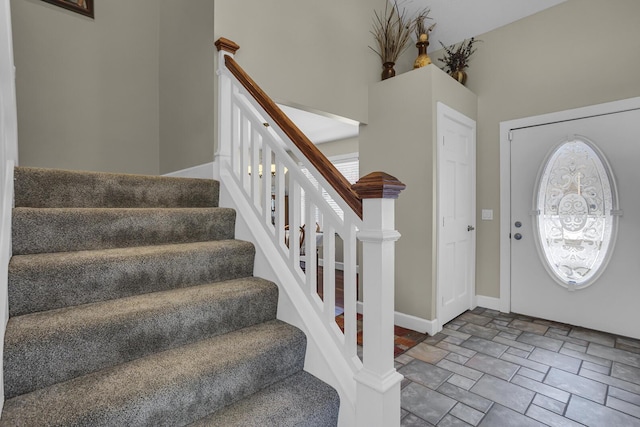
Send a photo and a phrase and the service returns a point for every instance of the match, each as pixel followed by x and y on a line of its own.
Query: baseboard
pixel 419 324
pixel 414 323
pixel 488 302
pixel 201 171
pixel 6 204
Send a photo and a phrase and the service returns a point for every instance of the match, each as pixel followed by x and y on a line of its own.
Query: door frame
pixel 505 174
pixel 444 111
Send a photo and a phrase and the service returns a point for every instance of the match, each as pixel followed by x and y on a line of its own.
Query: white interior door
pixel 608 302
pixel 456 213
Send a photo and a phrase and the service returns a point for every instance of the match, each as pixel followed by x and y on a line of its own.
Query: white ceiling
pixel 455 20
pixel 321 128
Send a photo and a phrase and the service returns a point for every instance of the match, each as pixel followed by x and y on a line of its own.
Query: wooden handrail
pixel 310 151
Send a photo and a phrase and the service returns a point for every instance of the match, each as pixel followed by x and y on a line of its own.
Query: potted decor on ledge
pixel 456 59
pixel 392 30
pixel 422 37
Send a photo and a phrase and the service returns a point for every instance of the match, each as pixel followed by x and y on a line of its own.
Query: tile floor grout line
pixel 581 405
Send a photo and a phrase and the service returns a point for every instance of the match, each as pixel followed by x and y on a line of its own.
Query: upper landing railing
pixel 277 175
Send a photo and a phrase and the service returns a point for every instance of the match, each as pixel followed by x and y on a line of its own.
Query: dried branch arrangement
pixel 420 25
pixel 392 31
pixel 457 58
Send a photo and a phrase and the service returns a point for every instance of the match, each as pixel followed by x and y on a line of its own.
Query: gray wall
pixel 340 147
pixel 133 90
pixel 311 53
pixel 130 91
pixel 578 53
pixel 87 90
pixel 187 77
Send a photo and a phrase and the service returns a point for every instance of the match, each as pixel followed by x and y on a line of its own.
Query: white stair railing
pixel 259 159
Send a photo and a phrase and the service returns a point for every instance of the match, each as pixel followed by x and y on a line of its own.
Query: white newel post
pixel 378 383
pixel 223 153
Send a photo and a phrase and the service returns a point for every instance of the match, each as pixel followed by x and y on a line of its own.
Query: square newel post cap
pixel 378 185
pixel 227 45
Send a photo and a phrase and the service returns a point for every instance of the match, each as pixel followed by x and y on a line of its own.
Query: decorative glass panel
pixel 576 203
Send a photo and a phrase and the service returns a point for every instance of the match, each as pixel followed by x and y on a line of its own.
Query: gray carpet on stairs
pixel 41 230
pixel 72 278
pixel 131 303
pixel 300 400
pixel 171 388
pixel 51 188
pixel 53 346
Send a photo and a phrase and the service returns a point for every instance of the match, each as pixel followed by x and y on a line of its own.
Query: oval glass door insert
pixel 576 201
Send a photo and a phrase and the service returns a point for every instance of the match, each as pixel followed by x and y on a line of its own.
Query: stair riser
pixel 50 188
pixel 62 230
pixel 45 348
pixel 316 403
pixel 69 279
pixel 172 388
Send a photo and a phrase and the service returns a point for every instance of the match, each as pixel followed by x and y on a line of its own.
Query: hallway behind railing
pixel 254 135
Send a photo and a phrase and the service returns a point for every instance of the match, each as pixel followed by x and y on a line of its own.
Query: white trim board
pixel 414 323
pixel 505 175
pixel 488 302
pixel 419 324
pixel 200 171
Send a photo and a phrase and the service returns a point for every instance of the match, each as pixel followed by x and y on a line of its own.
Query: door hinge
pixel 510 135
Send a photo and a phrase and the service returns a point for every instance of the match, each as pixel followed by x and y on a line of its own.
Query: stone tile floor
pixel 492 369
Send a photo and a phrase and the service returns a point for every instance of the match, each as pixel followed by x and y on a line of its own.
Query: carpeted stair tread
pixel 131 304
pixel 300 400
pixel 41 230
pixel 175 387
pixel 45 348
pixel 54 280
pixel 43 188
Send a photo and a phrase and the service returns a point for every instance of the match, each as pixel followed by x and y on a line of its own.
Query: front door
pixel 456 213
pixel 575 222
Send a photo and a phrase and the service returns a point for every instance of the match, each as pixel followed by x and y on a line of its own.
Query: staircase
pixel 131 304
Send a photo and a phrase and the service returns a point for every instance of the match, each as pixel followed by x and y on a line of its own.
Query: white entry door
pixel 568 264
pixel 456 255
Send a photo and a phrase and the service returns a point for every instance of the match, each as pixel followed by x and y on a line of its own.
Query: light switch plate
pixel 487 214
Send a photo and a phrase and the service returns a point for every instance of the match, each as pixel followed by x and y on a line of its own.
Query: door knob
pixel 518 224
pixel 470 228
pixel 518 236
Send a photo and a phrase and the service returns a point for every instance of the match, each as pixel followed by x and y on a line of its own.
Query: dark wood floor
pixel 339 288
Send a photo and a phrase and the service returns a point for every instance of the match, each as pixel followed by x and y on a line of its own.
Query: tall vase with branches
pixel 392 30
pixel 422 31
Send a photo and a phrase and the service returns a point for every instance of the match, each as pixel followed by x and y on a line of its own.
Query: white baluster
pixel 350 293
pixel 267 194
pixel 255 167
pixel 329 272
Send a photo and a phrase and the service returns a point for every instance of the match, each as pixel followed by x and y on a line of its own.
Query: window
pixel 347 165
pixel 576 203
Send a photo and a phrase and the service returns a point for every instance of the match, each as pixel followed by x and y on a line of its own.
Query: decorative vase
pixel 388 70
pixel 459 75
pixel 423 59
